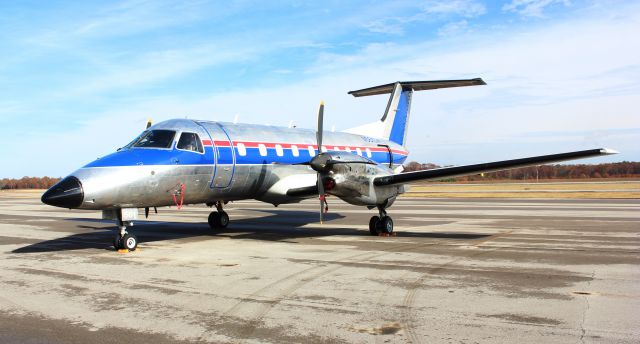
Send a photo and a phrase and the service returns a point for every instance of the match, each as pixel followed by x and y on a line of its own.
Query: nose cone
pixel 67 193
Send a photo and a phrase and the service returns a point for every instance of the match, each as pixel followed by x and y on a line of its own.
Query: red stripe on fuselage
pixel 301 146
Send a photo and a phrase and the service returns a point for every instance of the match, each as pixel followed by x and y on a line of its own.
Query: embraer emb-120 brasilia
pixel 184 161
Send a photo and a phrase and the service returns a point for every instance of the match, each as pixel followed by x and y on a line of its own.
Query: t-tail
pixel 393 124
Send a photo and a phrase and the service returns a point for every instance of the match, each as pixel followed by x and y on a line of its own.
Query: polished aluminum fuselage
pixel 240 161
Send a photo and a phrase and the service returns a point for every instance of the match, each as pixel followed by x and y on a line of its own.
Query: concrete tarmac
pixel 458 271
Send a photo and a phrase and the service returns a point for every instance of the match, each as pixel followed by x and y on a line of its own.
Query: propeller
pixel 321 194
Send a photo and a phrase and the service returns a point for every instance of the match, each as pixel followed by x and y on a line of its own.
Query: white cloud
pixel 466 8
pixel 389 26
pixel 429 11
pixel 157 66
pixel 531 8
pixel 454 28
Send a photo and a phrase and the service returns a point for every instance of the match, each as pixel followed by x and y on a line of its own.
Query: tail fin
pixel 393 124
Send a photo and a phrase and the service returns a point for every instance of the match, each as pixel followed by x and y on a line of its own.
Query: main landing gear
pixel 124 240
pixel 382 224
pixel 219 218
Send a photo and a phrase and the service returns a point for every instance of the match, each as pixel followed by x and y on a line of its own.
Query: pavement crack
pixel 586 309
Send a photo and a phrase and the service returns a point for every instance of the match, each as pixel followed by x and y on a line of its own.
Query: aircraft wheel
pixel 223 220
pixel 214 219
pixel 386 225
pixel 129 242
pixel 373 225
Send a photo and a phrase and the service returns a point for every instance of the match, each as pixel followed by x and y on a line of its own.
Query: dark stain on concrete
pixel 524 319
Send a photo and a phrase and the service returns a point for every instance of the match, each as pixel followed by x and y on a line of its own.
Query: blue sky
pixel 80 79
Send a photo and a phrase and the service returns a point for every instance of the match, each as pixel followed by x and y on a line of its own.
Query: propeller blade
pixel 320 121
pixel 149 122
pixel 321 196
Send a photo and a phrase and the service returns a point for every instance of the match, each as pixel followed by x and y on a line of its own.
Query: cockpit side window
pixel 155 139
pixel 190 142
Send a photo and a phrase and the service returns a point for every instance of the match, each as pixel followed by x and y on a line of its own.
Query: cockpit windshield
pixel 155 139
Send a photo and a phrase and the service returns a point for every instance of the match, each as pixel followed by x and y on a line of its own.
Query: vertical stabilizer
pixel 395 121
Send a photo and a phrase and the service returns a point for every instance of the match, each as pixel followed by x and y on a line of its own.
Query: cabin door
pixel 224 156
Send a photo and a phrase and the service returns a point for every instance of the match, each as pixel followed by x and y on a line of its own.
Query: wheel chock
pixel 124 250
pixel 387 234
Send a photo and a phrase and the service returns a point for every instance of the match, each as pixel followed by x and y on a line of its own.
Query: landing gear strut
pixel 219 218
pixel 381 224
pixel 124 240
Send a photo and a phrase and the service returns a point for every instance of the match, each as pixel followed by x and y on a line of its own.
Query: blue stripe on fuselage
pixel 150 156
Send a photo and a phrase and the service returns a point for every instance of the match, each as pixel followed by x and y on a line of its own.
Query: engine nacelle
pixel 353 183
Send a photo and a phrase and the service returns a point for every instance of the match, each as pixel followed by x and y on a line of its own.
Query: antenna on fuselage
pixel 235 118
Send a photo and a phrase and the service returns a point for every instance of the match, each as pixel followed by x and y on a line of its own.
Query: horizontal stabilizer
pixel 417 86
pixel 458 171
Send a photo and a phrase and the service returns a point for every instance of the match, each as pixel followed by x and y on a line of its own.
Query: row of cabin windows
pixel 262 149
pixel 191 142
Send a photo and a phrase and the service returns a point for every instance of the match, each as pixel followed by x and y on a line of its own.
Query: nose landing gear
pixel 123 240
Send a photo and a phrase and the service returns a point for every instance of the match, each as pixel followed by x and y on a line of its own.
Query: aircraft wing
pixel 305 191
pixel 465 170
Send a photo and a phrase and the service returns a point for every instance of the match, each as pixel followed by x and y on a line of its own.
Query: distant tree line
pixel 28 183
pixel 623 169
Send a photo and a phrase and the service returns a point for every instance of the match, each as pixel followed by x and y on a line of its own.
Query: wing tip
pixel 608 151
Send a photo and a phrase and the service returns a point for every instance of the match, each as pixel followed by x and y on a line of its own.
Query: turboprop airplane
pixel 184 161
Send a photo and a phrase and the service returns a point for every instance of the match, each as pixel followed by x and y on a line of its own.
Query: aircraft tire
pixel 373 225
pixel 386 225
pixel 223 220
pixel 129 242
pixel 214 219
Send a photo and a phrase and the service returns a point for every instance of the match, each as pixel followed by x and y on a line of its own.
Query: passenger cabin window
pixel 242 150
pixel 337 149
pixel 155 139
pixel 279 150
pixel 294 150
pixel 323 149
pixel 312 151
pixel 262 149
pixel 190 142
pixel 368 152
pixel 347 149
pixel 358 151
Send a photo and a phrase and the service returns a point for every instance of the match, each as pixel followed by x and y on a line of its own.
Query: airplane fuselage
pixel 236 161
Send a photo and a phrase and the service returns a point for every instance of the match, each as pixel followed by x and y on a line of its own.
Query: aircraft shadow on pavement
pixel 278 225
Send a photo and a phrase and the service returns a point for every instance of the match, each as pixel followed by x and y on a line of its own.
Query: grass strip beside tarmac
pixel 565 189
